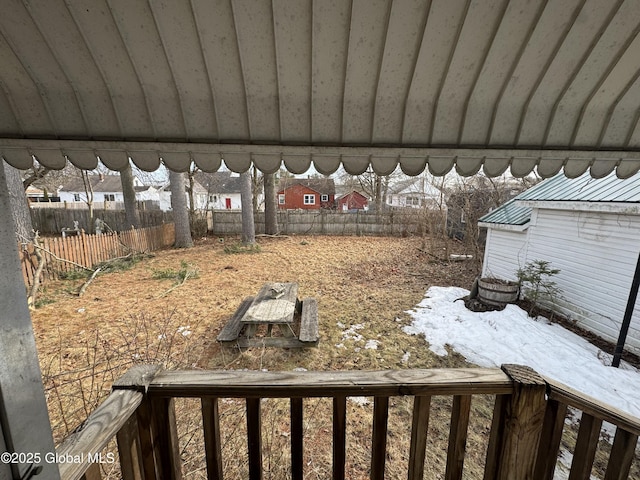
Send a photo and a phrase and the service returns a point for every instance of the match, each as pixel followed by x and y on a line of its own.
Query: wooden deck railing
pixel 528 421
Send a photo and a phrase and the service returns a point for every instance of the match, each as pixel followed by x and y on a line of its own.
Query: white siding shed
pixel 594 239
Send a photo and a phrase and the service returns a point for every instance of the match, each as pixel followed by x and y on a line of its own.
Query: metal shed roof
pixel 437 84
pixel 610 189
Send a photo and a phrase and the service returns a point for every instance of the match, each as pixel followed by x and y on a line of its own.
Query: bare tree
pixel 246 198
pixel 270 205
pixel 180 210
pixel 88 191
pixel 129 193
pixel 18 201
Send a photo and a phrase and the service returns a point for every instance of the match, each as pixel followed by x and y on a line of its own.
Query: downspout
pixel 628 314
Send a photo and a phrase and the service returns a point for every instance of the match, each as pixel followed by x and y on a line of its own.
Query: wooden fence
pixel 323 222
pixel 63 255
pixel 52 221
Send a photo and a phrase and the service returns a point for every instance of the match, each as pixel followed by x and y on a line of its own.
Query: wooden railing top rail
pixel 257 384
pixel 592 406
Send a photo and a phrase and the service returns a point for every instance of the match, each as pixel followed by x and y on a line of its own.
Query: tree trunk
pixel 180 210
pixel 19 204
pixel 246 198
pixel 270 205
pixel 129 194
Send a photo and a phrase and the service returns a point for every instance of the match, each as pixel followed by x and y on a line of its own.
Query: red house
pixel 352 201
pixel 306 193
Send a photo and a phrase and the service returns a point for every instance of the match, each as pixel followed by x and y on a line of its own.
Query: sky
pixel 490 339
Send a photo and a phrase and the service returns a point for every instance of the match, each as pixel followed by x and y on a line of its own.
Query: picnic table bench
pixel 276 305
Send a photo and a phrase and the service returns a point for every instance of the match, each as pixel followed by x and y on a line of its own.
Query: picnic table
pixel 275 306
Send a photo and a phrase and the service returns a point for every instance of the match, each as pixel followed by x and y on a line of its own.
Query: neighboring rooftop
pixel 320 185
pixel 562 189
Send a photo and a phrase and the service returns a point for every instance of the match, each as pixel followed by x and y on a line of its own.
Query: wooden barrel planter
pixel 496 292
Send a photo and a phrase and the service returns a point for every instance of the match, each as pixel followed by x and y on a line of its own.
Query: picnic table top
pixel 275 303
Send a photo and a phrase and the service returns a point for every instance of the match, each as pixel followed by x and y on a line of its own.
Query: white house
pixel 590 230
pixel 105 188
pixel 416 192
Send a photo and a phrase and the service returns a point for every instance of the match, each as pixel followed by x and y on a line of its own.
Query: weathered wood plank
pixel 212 442
pixel 459 381
pixel 266 309
pixel 254 438
pixel 136 378
pixel 419 427
pixel 339 437
pixel 297 450
pixel 101 426
pixel 269 342
pixel 522 416
pixel 550 439
pixel 593 406
pixel 622 455
pixel 379 446
pixel 586 446
pixel 165 438
pixel 458 437
pixel 309 321
pixel 146 436
pixel 129 450
pixel 496 435
pixel 232 328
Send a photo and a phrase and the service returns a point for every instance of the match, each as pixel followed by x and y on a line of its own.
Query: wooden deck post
pixel 24 420
pixel 517 425
pixel 138 446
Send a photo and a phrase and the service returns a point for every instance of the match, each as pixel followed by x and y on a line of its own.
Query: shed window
pixel 324 198
pixel 309 199
pixel 281 199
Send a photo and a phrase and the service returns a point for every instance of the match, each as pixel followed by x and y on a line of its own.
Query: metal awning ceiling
pixel 548 85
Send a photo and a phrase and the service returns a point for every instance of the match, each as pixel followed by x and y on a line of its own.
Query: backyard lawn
pixel 151 313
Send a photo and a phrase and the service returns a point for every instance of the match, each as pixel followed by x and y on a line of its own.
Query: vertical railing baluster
pixel 339 436
pixel 212 443
pixel 622 455
pixel 145 434
pixel 297 449
pixel 550 439
pixel 129 450
pixel 379 445
pixel 458 436
pixel 254 434
pixel 586 446
pixel 419 427
pixel 165 438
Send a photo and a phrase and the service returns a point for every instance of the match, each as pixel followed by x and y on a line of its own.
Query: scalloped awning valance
pixel 325 160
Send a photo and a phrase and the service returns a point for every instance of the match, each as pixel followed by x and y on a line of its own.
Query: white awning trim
pixel 326 160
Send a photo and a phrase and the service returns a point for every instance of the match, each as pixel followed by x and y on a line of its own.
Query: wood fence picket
pixel 89 250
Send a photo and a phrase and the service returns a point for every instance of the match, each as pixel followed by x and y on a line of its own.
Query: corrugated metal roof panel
pixel 585 189
pixel 563 189
pixel 511 213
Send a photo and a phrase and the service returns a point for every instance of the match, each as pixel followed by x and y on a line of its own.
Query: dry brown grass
pixel 368 283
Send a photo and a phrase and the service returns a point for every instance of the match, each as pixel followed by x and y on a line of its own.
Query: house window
pixel 413 201
pixel 324 198
pixel 76 197
pixel 309 199
pixel 281 199
pixel 109 197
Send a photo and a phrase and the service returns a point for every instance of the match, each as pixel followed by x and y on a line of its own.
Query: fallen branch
pixel 86 284
pixel 186 277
